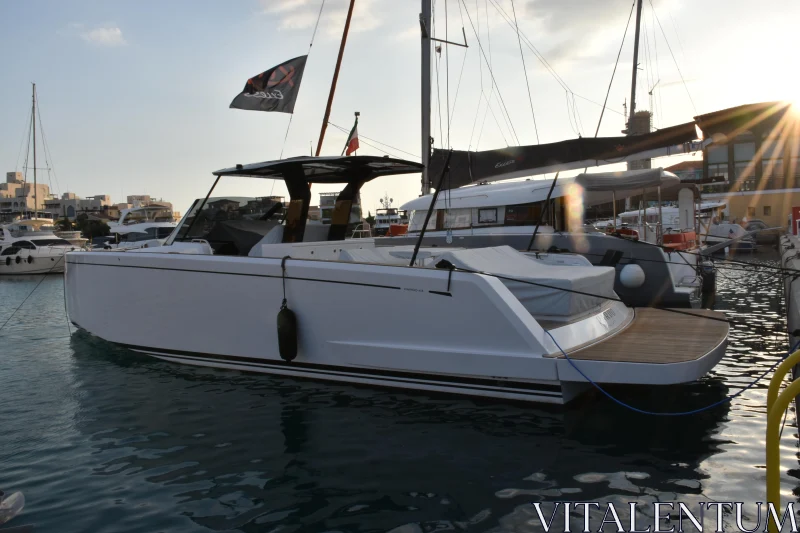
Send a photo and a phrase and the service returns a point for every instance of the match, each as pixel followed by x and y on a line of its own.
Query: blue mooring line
pixel 680 413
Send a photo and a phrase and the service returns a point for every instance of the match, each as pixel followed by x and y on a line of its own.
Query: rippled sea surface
pixel 102 439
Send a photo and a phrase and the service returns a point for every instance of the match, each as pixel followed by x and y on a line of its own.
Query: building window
pixel 717 154
pixel 744 167
pixel 794 163
pixel 772 165
pixel 719 171
pixel 767 210
pixel 751 211
pixel 744 151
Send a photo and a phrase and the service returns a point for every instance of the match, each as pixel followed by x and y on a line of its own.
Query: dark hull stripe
pixel 238 274
pixel 332 376
pixel 498 385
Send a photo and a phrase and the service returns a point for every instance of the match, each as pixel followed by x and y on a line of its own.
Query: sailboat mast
pixel 335 77
pixel 425 27
pixel 635 62
pixel 35 188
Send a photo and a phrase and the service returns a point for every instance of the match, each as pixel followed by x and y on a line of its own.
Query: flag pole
pixel 335 77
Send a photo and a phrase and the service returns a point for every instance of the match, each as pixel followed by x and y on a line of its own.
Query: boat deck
pixel 659 336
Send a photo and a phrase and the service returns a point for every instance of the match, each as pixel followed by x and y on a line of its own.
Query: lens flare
pixel 574 207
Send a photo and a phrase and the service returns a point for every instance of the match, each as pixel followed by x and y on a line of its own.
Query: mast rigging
pixel 335 77
pixel 35 188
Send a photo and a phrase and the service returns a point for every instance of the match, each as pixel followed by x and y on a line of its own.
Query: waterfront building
pixel 327 202
pixel 753 165
pixel 18 196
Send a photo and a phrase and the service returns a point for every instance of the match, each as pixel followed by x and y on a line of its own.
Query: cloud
pixel 302 15
pixel 577 27
pixel 279 6
pixel 104 36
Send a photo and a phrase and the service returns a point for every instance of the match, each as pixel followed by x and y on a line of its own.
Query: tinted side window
pixel 25 244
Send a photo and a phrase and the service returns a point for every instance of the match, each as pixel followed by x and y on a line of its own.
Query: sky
pixel 134 95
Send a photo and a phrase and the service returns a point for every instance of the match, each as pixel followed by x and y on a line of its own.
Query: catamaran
pixel 672 273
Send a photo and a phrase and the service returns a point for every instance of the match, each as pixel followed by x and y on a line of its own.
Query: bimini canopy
pixel 630 179
pixel 603 187
pixel 361 168
pixel 298 172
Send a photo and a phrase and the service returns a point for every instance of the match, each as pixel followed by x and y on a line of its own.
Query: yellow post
pixel 777 377
pixel 774 417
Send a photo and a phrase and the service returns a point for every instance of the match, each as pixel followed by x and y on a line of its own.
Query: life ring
pixel 30 259
pixel 8 261
pixel 18 260
pixel 628 233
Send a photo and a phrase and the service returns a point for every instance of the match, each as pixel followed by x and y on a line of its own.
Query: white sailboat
pixel 28 245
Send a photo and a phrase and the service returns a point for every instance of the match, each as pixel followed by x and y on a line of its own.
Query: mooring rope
pixel 725 400
pixel 44 275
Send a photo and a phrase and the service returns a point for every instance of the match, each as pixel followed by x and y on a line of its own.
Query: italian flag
pixel 352 140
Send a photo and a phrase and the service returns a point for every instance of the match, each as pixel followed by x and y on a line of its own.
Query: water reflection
pixel 237 451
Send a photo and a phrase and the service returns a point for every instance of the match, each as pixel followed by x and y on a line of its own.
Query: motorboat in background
pixel 765 235
pixel 487 322
pixel 671 273
pixel 28 247
pixel 138 227
pixel 720 232
pixel 389 220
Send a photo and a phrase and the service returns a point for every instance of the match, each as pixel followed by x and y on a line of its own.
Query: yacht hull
pixel 465 334
pixel 32 263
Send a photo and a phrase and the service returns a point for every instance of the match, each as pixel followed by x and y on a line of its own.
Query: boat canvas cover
pixel 603 187
pixel 550 296
pixel 631 179
pixel 516 161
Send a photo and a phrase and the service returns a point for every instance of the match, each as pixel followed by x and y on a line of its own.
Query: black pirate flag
pixel 274 89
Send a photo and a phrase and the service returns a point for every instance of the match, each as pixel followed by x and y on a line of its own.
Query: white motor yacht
pixel 27 248
pixel 487 322
pixel 140 227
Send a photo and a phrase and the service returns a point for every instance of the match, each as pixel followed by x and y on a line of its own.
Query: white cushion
pixel 274 236
pixel 541 301
pixel 316 232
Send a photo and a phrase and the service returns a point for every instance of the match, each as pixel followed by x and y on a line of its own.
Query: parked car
pixel 762 237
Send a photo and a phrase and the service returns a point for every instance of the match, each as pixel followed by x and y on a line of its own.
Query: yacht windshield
pixel 51 242
pixel 231 225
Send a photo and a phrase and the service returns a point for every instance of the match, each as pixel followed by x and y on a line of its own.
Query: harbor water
pixel 101 439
